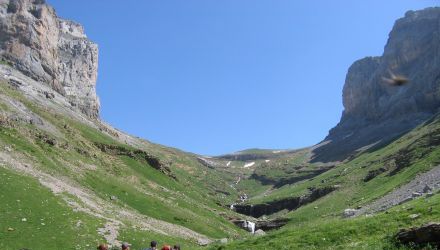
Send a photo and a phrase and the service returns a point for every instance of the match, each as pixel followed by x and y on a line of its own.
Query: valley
pixel 70 179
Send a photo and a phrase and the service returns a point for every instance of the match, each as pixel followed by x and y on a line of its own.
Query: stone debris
pixel 423 184
pixel 349 212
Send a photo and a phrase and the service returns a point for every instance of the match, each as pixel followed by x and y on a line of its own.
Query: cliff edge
pixel 375 111
pixel 50 50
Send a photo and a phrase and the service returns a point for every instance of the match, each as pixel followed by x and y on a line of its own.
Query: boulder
pixel 427 189
pixel 426 234
pixel 349 212
pixel 260 232
pixel 268 225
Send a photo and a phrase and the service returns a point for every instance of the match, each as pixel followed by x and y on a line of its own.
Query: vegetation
pixel 32 216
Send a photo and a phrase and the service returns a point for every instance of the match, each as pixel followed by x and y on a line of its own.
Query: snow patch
pixel 247 165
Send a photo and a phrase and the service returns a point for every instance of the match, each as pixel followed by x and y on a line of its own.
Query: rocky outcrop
pixel 264 225
pixel 50 50
pixel 279 182
pixel 289 204
pixel 420 236
pixel 139 155
pixel 375 111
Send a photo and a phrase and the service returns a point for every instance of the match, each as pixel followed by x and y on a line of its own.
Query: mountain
pixel 50 50
pixel 69 180
pixel 376 112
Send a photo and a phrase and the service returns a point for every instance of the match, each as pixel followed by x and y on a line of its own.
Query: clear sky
pixel 217 76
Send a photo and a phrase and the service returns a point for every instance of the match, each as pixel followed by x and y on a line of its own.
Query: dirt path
pixel 423 183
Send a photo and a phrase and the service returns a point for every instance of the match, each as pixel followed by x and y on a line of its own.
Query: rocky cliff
pixel 375 111
pixel 50 50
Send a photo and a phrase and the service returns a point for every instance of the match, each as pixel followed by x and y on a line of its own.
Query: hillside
pixel 70 180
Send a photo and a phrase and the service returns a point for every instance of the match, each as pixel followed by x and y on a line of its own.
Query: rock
pixel 406 200
pixel 416 194
pixel 260 232
pixel 349 212
pixel 113 198
pixel 224 241
pixel 387 111
pixel 290 203
pixel 268 225
pixel 50 50
pixel 427 189
pixel 24 220
pixel 373 173
pixel 203 242
pixel 414 216
pixel 426 234
pixel 10 229
pixel 49 95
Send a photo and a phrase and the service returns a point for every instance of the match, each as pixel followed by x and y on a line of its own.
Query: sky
pixel 218 76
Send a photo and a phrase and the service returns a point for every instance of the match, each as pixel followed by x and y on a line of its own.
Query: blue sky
pixel 217 76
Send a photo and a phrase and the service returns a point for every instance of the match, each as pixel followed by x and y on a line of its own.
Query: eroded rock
pixel 426 234
pixel 376 112
pixel 51 50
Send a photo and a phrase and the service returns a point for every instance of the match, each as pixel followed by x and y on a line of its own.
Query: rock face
pixel 290 203
pixel 375 111
pixel 426 234
pixel 50 50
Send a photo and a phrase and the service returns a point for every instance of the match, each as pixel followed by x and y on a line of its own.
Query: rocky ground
pixel 425 183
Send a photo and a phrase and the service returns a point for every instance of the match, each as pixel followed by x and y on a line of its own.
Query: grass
pixel 3 62
pixel 50 223
pixel 189 202
pixel 335 233
pixel 193 199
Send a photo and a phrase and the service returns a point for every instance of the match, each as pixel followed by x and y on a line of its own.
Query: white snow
pixel 227 164
pixel 249 164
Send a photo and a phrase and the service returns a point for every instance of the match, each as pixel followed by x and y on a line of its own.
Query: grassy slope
pixel 50 223
pixel 189 202
pixel 319 225
pixel 334 233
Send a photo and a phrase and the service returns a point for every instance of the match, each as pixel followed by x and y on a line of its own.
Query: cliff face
pixel 50 50
pixel 375 111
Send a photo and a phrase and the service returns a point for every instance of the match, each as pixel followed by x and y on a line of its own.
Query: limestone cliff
pixel 50 50
pixel 376 112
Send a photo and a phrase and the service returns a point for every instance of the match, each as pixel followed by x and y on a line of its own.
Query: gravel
pixel 425 183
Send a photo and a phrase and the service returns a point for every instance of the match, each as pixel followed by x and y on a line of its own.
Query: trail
pixel 90 204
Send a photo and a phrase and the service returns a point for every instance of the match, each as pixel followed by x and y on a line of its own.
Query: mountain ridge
pixel 376 112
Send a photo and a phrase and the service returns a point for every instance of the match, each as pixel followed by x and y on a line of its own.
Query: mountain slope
pixel 377 112
pixel 70 180
pixel 102 180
